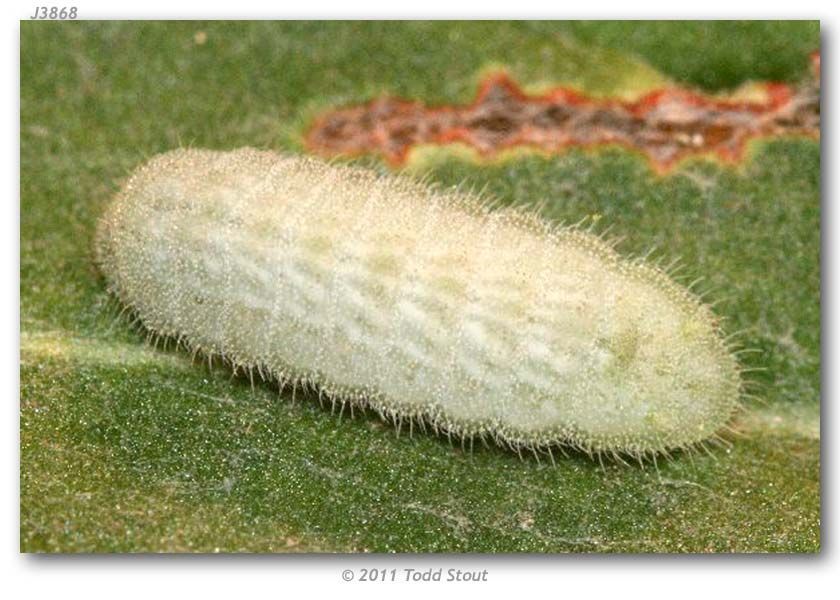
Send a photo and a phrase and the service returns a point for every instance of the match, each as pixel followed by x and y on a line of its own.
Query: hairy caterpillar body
pixel 420 303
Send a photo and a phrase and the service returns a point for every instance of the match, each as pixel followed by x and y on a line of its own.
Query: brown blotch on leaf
pixel 665 125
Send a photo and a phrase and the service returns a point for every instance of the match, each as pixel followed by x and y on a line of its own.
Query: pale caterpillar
pixel 420 303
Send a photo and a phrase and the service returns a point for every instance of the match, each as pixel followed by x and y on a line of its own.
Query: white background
pixel 521 577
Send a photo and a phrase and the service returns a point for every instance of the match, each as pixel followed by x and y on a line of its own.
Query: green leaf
pixel 126 447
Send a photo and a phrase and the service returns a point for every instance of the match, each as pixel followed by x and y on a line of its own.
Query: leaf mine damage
pixel 665 125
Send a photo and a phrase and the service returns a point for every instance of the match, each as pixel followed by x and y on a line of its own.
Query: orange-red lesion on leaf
pixel 666 125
